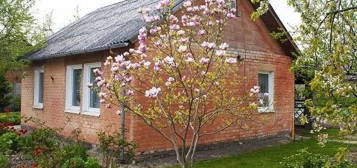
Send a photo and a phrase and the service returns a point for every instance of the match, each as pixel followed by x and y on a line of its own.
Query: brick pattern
pixel 260 53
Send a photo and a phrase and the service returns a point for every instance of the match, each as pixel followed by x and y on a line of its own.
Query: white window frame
pixel 271 83
pixel 69 87
pixel 87 110
pixel 36 96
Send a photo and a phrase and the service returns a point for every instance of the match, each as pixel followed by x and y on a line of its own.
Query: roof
pixel 113 26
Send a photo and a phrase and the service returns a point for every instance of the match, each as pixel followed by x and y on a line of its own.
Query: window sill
pixel 37 107
pixel 263 110
pixel 90 113
pixel 72 111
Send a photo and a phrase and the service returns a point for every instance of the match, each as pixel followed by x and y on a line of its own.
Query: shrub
pixel 43 138
pixel 4 161
pixel 8 142
pixel 92 163
pixel 110 146
pixel 76 162
pixel 13 118
pixel 306 159
pixel 4 92
pixel 74 150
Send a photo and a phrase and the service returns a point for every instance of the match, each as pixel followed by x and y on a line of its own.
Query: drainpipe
pixel 122 130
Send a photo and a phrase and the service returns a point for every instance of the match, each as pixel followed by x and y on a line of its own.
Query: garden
pixel 43 148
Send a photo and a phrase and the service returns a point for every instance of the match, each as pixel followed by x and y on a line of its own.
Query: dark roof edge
pixel 114 46
pixel 286 32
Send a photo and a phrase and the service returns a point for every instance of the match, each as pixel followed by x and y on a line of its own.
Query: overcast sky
pixel 63 11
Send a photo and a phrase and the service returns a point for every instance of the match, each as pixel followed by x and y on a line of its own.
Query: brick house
pixel 55 91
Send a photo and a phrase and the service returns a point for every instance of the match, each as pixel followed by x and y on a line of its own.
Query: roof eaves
pixel 83 51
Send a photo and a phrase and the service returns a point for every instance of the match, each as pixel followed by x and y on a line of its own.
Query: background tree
pixel 19 33
pixel 4 93
pixel 327 62
pixel 187 87
pixel 328 58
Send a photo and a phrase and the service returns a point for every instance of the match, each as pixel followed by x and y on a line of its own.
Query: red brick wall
pixel 261 53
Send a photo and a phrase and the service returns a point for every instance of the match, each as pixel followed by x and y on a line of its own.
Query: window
pixel 73 88
pixel 38 87
pixel 91 103
pixel 266 94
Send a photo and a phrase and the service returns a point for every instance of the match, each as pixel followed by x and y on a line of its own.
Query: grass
pixel 13 118
pixel 272 156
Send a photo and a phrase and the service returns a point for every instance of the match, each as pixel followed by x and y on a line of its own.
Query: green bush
pixel 78 162
pixel 4 161
pixel 43 138
pixel 13 118
pixel 306 159
pixel 110 146
pixel 5 90
pixel 92 163
pixel 74 150
pixel 8 142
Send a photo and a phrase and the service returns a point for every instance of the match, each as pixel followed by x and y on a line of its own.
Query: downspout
pixel 122 130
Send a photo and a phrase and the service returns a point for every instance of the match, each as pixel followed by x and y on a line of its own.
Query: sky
pixel 63 11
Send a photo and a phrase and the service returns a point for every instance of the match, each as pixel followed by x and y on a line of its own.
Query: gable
pixel 244 33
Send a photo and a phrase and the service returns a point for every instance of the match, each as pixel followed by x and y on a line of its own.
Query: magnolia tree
pixel 179 80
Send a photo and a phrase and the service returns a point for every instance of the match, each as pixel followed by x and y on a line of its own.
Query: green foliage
pixel 4 161
pixel 19 33
pixel 4 92
pixel 306 159
pixel 76 162
pixel 13 118
pixel 328 60
pixel 43 138
pixel 8 142
pixel 91 163
pixel 110 146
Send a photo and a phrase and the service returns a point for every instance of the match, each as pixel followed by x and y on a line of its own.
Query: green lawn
pixel 272 156
pixel 13 118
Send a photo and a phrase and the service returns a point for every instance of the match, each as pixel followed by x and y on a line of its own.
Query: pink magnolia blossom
pixel 163 4
pixel 220 52
pixel 255 90
pixel 231 60
pixel 189 59
pixel 208 45
pixel 169 60
pixel 187 4
pixel 130 93
pixel 223 46
pixel 181 32
pixel 182 49
pixel 153 92
pixel 204 60
pixel 174 27
pixel 147 64
pixel 202 32
pixel 173 19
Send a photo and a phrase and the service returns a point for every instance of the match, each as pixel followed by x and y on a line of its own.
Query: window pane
pixel 76 94
pixel 94 99
pixel 264 83
pixel 40 88
pixel 264 90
